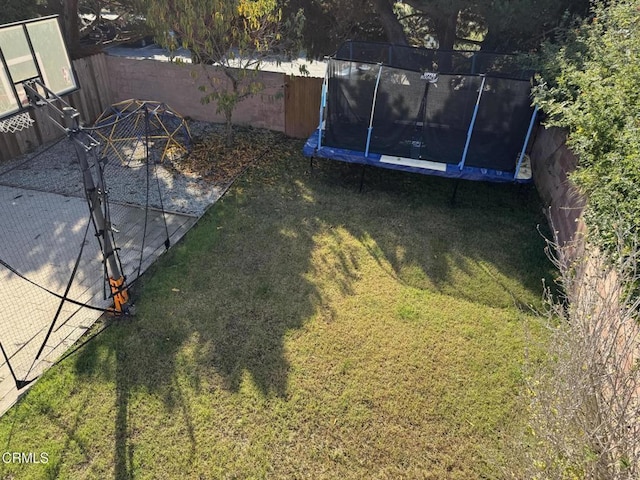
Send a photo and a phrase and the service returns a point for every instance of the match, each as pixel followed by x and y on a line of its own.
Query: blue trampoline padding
pixel 311 149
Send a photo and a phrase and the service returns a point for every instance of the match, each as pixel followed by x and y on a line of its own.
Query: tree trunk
pixel 228 127
pixel 229 103
pixel 68 11
pixel 71 24
pixel 491 41
pixel 389 20
pixel 446 32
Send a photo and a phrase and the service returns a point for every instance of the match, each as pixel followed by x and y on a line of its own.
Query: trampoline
pixel 456 114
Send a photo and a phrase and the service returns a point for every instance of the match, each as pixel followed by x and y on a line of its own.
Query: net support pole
pixel 20 384
pixel 532 122
pixel 94 195
pixel 373 109
pixel 471 124
pixel 323 105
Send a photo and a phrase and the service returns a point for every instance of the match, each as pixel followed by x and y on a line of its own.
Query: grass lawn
pixel 305 330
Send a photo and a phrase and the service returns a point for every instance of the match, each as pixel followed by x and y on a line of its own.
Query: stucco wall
pixel 177 86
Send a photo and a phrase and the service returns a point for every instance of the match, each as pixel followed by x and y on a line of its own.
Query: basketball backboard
pixel 32 50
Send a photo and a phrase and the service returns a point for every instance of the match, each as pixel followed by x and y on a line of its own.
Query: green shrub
pixel 591 86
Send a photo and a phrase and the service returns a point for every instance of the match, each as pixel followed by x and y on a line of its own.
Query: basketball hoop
pixel 26 79
pixel 16 123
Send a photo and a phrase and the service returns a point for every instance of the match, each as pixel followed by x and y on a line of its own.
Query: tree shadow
pixel 217 310
pixel 493 234
pixel 53 464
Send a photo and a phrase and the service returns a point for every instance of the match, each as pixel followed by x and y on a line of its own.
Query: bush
pixel 590 86
pixel 584 401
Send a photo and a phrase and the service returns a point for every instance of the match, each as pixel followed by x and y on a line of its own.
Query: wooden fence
pixel 91 100
pixel 104 80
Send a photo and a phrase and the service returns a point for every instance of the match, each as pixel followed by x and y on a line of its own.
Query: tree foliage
pixel 522 25
pixel 235 36
pixel 15 10
pixel 502 25
pixel 493 25
pixel 590 87
pixel 330 22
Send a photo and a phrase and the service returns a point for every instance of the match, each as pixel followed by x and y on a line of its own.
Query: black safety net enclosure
pixel 445 61
pixel 470 111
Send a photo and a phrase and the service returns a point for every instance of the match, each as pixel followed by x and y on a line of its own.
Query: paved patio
pixel 40 236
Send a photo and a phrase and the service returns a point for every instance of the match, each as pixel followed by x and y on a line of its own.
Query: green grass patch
pixel 305 330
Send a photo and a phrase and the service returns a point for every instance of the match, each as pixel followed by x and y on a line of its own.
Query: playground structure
pixel 464 115
pixel 127 126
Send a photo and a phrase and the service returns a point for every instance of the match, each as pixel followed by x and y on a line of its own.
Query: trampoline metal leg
pixel 455 191
pixel 311 165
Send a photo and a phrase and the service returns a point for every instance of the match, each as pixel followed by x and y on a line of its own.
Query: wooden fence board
pixel 302 105
pixel 44 128
pixel 101 76
pixel 80 99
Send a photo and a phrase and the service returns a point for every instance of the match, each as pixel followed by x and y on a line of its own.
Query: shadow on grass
pixel 487 247
pixel 216 311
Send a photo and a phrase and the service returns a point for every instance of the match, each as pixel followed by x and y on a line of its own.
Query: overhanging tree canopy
pixel 495 25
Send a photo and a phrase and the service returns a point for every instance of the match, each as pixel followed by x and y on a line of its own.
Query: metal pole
pixel 350 57
pixel 526 141
pixel 94 196
pixel 20 384
pixel 373 108
pixel 323 104
pixel 473 121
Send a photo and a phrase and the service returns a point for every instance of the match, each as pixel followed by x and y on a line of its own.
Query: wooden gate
pixel 302 105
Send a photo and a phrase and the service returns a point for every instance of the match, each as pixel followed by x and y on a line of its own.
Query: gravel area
pixel 54 168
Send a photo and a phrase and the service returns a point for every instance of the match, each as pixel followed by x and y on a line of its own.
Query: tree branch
pixel 390 22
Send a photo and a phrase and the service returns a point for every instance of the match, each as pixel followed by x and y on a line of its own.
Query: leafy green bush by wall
pixel 591 86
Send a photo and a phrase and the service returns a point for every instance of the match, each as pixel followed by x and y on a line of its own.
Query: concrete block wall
pixel 177 86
